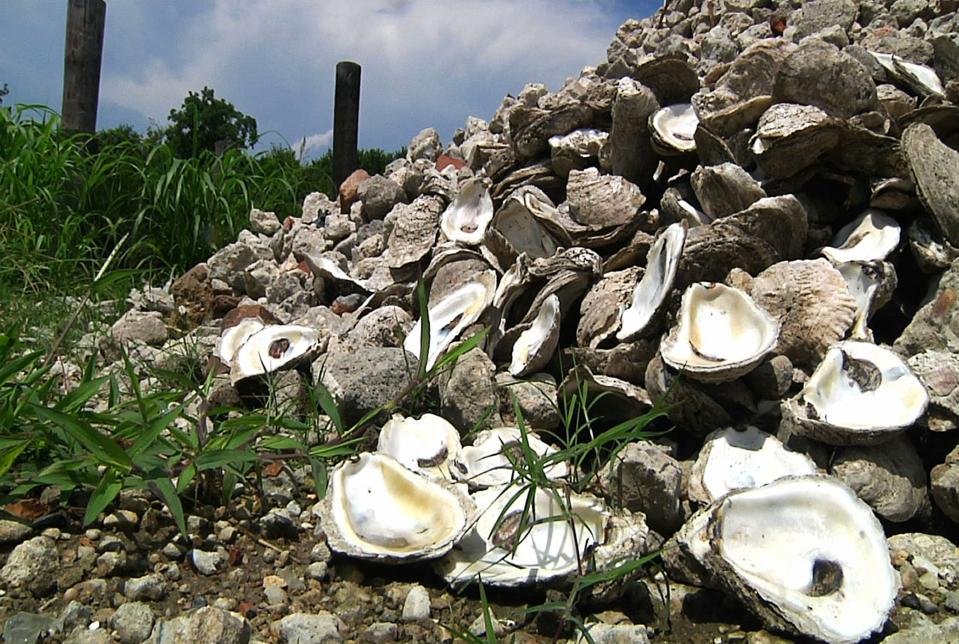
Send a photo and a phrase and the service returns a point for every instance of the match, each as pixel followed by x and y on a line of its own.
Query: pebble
pixel 173 552
pixel 111 563
pixel 317 570
pixel 152 587
pixel 121 520
pixel 302 628
pixel 110 543
pixel 210 563
pixel 275 595
pixel 417 604
pixel 133 622
pixel 13 531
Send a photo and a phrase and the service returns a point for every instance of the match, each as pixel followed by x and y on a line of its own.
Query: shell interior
pixel 722 333
pixel 651 290
pixel 486 463
pixel 674 127
pixel 272 348
pixel 535 345
pixel 466 219
pixel 828 574
pixel 451 315
pixel 507 551
pixel 860 385
pixel 863 285
pixel 523 231
pixel 918 77
pixel 233 338
pixel 380 509
pixel 428 444
pixel 871 236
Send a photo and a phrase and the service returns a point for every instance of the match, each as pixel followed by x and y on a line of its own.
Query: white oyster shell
pixel 860 394
pixel 466 219
pixel 738 458
pixel 271 348
pixel 650 292
pixel 484 464
pixel 377 509
pixel 535 345
pixel 919 78
pixel 870 237
pixel 428 444
pixel 804 553
pixel 451 315
pixel 722 334
pixel 549 547
pixel 673 128
pixel 870 284
pixel 233 338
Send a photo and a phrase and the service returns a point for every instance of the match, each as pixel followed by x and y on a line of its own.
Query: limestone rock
pixel 644 478
pixel 139 326
pixel 308 628
pixel 378 196
pixel 811 74
pixel 935 326
pixel 889 477
pixel 33 565
pixel 363 378
pixel 206 625
pixel 468 394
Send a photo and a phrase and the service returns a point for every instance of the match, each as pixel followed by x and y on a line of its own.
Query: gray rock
pixel 644 478
pixel 935 326
pixel 278 490
pixel 935 170
pixel 425 145
pixel 725 189
pixel 307 239
pixel 822 14
pixel 939 373
pixel 13 531
pixel 151 587
pixel 946 56
pixel 28 628
pixel 615 634
pixel 111 563
pixel 386 326
pixel 229 263
pixel 906 11
pixel 206 625
pixel 416 607
pixel 380 632
pixel 718 45
pixel 209 563
pixel 945 631
pixel 378 195
pixel 338 227
pixel 944 485
pixel 80 635
pixel 34 564
pixel 140 326
pixel 810 75
pixel 315 206
pixel 304 628
pixel 75 614
pixel 361 379
pixel 258 276
pixel 536 396
pixel 133 622
pixel 277 524
pixel 889 477
pixel 264 222
pixel 317 570
pixel 468 394
pixel 275 595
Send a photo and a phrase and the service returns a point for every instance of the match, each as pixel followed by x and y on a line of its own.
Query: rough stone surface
pixel 387 326
pixel 644 478
pixel 264 222
pixel 468 395
pixel 349 189
pixel 536 396
pixel 229 263
pixel 889 477
pixel 378 195
pixel 945 631
pixel 935 326
pixel 28 628
pixel 13 531
pixel 151 587
pixel 133 622
pixel 194 293
pixel 416 606
pixel 209 563
pixel 822 14
pixel 939 373
pixel 303 628
pixel 206 625
pixel 935 169
pixel 811 74
pixel 615 634
pixel 944 485
pixel 140 326
pixel 363 378
pixel 34 564
pixel 425 145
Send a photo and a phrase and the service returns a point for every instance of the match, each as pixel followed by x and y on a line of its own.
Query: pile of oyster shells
pixel 749 211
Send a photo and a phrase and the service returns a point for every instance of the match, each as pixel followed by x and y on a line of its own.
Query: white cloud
pixel 424 63
pixel 313 142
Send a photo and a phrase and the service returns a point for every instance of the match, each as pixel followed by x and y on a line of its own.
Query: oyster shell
pixel 271 348
pixel 724 189
pixel 575 150
pixel 599 202
pixel 828 576
pixel 526 223
pixel 920 79
pixel 451 315
pixel 485 463
pixel 466 219
pixel 735 458
pixel 233 337
pixel 872 236
pixel 934 165
pixel 601 310
pixel 428 444
pixel 650 292
pixel 414 230
pixel 672 129
pixel 871 285
pixel 377 509
pixel 790 138
pixel 860 394
pixel 536 344
pixel 722 334
pixel 509 552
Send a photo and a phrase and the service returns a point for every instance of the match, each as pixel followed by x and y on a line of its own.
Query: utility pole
pixel 81 64
pixel 346 119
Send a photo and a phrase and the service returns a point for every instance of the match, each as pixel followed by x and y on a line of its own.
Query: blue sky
pixel 426 63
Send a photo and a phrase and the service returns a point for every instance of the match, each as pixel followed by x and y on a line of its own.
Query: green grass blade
pixel 101 447
pixel 164 489
pixel 106 490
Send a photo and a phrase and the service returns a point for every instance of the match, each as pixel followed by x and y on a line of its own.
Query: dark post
pixel 81 63
pixel 346 119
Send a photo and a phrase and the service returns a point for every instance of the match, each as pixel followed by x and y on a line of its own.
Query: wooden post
pixel 81 64
pixel 346 119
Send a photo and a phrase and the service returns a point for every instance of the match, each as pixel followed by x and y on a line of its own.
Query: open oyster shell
pixel 535 345
pixel 485 463
pixel 271 348
pixel 508 553
pixel 525 222
pixel 872 236
pixel 871 285
pixel 860 394
pixel 722 334
pixel 377 509
pixel 466 219
pixel 828 575
pixel 735 458
pixel 428 444
pixel 672 129
pixel 233 337
pixel 650 292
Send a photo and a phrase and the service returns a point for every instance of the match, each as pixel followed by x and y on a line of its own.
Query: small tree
pixel 3 92
pixel 203 122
